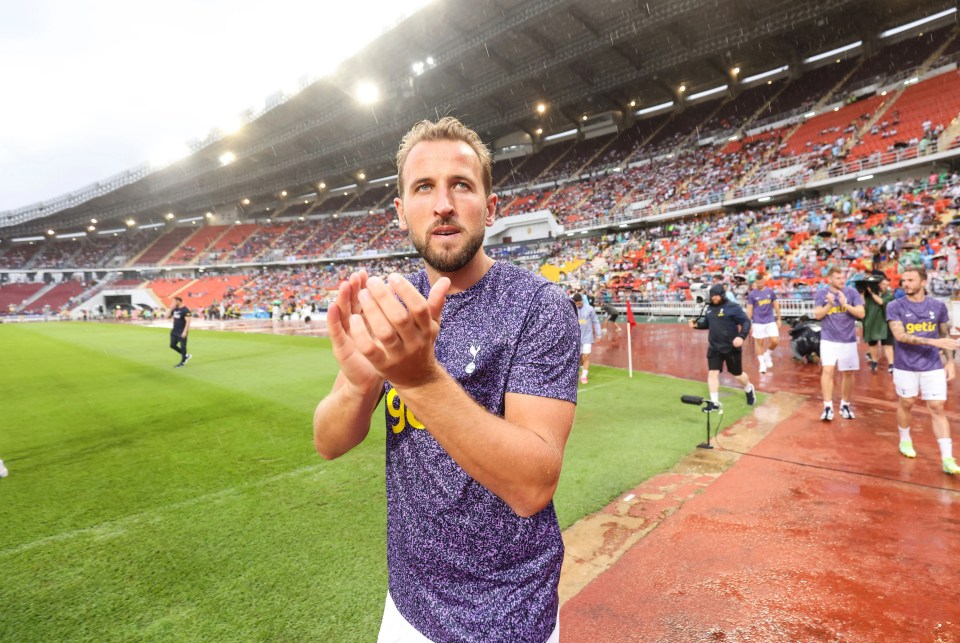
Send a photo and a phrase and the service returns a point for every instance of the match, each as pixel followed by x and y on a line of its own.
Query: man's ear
pixel 491 209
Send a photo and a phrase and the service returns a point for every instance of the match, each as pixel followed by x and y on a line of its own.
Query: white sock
pixel 715 398
pixel 585 371
pixel 762 358
pixel 828 404
pixel 843 402
pixel 748 388
pixel 904 433
pixel 946 447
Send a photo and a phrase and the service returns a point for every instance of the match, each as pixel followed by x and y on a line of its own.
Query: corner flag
pixel 630 319
pixel 631 322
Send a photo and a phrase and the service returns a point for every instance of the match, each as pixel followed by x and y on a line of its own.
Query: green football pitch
pixel 151 503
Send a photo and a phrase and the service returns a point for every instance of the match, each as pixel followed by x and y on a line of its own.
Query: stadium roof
pixel 489 62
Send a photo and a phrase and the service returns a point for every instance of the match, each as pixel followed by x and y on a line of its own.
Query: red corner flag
pixel 630 319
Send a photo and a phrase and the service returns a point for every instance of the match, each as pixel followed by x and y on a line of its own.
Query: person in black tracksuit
pixel 181 325
pixel 729 326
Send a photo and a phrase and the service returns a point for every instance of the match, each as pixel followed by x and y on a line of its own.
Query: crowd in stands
pixel 657 166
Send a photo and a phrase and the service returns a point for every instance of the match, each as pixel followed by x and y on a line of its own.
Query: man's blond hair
pixel 447 128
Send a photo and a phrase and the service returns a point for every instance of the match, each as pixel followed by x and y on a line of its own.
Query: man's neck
pixel 917 297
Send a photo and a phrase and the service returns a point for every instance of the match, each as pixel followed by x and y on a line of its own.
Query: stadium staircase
pixel 28 302
pixel 162 247
pixel 636 154
pixel 199 241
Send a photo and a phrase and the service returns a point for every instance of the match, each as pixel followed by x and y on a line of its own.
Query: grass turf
pixel 151 503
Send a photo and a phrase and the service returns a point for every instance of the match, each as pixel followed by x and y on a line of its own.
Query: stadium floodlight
pixel 832 52
pixel 763 199
pixel 245 201
pixel 633 103
pixel 50 232
pixel 384 178
pixel 362 176
pixel 708 92
pixel 169 155
pixel 93 221
pixel 321 185
pixel 90 228
pixel 111 231
pixel 209 215
pixel 227 158
pixel 764 74
pixel 653 108
pixel 130 223
pixel 367 93
pixel 541 108
pixel 189 220
pixel 349 186
pixel 735 71
pixel 231 126
pixel 866 177
pixel 917 23
pixel 283 193
pixel 150 226
pixel 560 135
pixel 71 235
pixel 25 239
pixel 911 81
pixel 810 114
pixel 168 216
pixel 733 138
pixel 539 130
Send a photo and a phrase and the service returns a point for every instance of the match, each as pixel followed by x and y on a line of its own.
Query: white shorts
pixel 585 349
pixel 843 355
pixel 396 629
pixel 762 331
pixel 931 385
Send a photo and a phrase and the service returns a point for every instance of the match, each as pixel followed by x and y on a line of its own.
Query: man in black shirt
pixel 178 336
pixel 729 326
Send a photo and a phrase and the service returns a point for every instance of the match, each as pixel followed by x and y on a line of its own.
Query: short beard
pixel 448 261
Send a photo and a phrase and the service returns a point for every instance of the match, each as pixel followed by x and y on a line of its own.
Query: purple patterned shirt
pixel 462 565
pixel 838 325
pixel 922 319
pixel 762 301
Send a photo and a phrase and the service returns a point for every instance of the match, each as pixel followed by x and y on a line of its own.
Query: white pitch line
pixel 112 525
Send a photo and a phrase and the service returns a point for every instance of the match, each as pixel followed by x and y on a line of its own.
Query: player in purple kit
pixel 477 361
pixel 838 307
pixel 763 309
pixel 921 328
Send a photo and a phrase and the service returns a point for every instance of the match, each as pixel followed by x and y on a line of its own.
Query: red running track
pixel 822 533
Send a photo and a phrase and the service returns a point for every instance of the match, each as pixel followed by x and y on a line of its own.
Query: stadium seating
pixel 163 246
pixel 57 297
pixel 13 296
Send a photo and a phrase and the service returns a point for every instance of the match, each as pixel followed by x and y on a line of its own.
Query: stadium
pixel 643 151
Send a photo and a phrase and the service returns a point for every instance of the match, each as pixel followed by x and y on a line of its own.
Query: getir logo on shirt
pixel 920 327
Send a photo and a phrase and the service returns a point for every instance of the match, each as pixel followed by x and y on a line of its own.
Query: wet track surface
pixel 822 532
